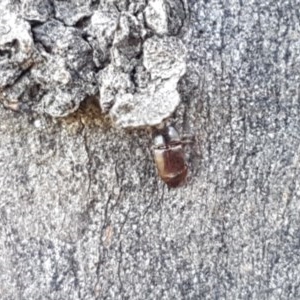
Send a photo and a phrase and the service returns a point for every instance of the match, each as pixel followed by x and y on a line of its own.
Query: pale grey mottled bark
pixel 84 216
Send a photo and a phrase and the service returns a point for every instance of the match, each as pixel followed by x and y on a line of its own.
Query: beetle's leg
pixel 188 139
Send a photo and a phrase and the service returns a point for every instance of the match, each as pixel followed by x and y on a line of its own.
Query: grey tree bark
pixel 83 213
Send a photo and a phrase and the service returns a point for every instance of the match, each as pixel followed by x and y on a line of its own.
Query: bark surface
pixel 83 214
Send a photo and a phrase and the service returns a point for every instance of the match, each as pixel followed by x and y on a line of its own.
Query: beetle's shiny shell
pixel 169 157
pixel 171 165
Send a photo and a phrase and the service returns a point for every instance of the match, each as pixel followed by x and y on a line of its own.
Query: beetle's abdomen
pixel 171 165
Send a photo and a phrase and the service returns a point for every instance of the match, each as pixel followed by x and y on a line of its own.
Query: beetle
pixel 169 156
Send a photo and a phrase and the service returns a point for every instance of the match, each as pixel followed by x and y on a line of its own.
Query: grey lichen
pixel 67 72
pixel 101 32
pixel 155 97
pixel 139 87
pixel 36 10
pixel 52 53
pixel 16 48
pixel 70 12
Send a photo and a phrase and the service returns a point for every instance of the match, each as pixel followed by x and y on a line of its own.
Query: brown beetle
pixel 169 156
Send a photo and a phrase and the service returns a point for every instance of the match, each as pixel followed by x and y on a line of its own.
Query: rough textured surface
pixel 144 68
pixel 84 216
pixel 62 47
pixel 16 48
pixel 138 102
